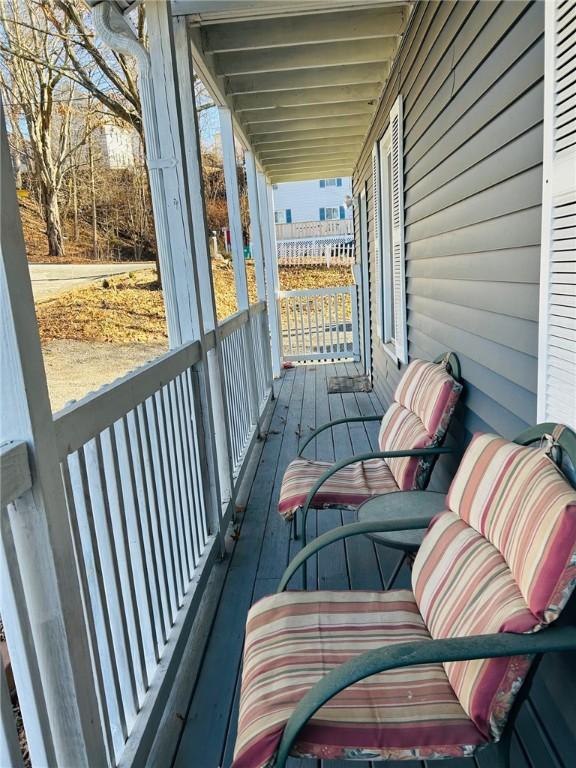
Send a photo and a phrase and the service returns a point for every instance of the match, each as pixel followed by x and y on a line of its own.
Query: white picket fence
pixel 319 324
pixel 134 462
pixel 324 251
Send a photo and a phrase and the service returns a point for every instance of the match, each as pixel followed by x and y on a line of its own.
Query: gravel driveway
pixel 75 368
pixel 50 280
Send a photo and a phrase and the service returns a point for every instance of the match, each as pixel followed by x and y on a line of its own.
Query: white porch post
pixel 256 234
pixel 237 243
pixel 167 163
pixel 41 591
pixel 203 267
pixel 266 204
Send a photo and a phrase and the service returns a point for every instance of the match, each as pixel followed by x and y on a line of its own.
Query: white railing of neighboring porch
pixel 328 251
pixel 307 229
pixel 319 324
pixel 133 460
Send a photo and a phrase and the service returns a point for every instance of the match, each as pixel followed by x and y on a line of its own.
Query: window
pixel 330 183
pixel 332 214
pixel 388 205
pixel 283 216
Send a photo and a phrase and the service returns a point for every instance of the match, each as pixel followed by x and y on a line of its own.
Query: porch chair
pixel 411 436
pixel 438 671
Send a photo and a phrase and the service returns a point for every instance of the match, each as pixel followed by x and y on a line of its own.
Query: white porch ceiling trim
pixel 302 79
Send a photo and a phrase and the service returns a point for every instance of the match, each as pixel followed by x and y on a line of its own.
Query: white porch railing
pixel 319 324
pixel 247 376
pixel 328 251
pixel 134 462
pixel 308 229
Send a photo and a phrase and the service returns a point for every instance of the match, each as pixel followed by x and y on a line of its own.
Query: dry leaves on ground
pixel 130 308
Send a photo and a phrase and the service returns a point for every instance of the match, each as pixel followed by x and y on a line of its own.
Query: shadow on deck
pixel 263 550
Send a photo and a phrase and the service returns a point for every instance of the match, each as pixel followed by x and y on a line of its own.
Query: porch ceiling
pixel 302 78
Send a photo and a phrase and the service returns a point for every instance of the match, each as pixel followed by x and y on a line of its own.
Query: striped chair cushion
pixel 518 499
pixel 402 430
pixel 503 559
pixel 295 638
pixel 433 393
pixel 463 587
pixel 349 487
pixel 424 402
pixel 429 391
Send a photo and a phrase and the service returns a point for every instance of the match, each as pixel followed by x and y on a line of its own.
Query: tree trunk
pixel 53 224
pixel 93 190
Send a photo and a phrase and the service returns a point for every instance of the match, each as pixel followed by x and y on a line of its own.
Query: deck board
pixel 264 547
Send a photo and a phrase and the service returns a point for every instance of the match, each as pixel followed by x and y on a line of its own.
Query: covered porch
pixel 139 524
pixel 205 733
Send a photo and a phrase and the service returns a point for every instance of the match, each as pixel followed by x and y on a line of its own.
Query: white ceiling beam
pixel 287 126
pixel 306 152
pixel 345 74
pixel 331 95
pixel 226 11
pixel 304 57
pixel 304 30
pixel 305 162
pixel 323 170
pixel 310 144
pixel 307 112
pixel 312 174
pixel 260 139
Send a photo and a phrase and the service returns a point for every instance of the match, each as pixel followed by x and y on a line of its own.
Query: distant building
pixel 118 146
pixel 312 201
pixel 314 222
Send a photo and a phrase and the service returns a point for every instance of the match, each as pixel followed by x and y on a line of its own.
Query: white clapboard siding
pixel 557 350
pixel 320 324
pixel 397 231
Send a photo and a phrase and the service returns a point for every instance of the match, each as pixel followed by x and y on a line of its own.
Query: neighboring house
pixel 317 200
pixel 119 146
pixel 314 221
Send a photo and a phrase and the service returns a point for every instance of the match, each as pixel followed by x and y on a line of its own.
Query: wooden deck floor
pixel 263 550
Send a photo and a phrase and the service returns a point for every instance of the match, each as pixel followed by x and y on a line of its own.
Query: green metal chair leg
pixel 295 522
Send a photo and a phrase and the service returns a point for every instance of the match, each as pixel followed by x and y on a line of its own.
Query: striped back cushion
pixel 423 405
pixel 401 430
pixel 429 391
pixel 501 559
pixel 519 501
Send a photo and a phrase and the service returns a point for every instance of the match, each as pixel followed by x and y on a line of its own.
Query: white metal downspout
pixel 115 31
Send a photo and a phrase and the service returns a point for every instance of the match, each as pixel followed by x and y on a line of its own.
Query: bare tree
pixel 32 75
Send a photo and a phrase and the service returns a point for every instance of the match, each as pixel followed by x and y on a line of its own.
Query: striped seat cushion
pixel 419 416
pixel 503 559
pixel 295 638
pixel 349 487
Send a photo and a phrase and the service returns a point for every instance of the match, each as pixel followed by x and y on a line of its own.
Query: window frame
pixel 385 277
pixel 387 291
